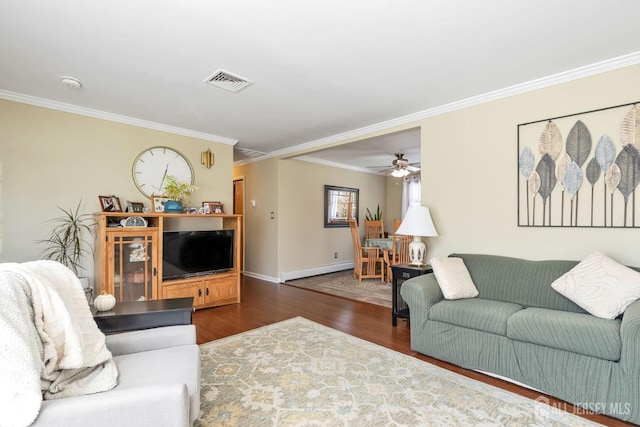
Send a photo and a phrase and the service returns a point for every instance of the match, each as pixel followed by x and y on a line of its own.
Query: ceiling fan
pixel 399 166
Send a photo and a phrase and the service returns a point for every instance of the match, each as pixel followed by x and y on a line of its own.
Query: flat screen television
pixel 196 253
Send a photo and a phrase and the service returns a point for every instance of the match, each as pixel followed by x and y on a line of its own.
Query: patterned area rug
pixel 300 373
pixel 343 284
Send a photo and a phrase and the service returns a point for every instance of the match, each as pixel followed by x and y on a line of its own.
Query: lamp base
pixel 417 251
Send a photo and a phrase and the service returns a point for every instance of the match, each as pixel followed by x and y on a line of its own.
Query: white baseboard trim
pixel 261 277
pixel 298 274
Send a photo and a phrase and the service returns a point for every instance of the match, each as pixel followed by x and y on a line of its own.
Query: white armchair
pixel 158 384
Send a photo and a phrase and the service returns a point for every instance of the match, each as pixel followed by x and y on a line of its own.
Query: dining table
pixel 382 242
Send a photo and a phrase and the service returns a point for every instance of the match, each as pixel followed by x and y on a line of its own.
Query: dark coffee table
pixel 135 315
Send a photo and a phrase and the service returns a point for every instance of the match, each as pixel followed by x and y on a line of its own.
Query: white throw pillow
pixel 453 278
pixel 600 285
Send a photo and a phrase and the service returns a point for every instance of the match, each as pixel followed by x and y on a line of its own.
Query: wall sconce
pixel 206 157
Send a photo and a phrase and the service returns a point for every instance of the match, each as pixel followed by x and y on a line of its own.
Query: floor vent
pixel 229 81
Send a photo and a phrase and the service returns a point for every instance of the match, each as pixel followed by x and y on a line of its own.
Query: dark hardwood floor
pixel 264 303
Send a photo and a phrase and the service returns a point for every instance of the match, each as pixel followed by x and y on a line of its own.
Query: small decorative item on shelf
pixel 104 302
pixel 178 194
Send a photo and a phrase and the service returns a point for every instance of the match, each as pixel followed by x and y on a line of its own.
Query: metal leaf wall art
pixel 550 182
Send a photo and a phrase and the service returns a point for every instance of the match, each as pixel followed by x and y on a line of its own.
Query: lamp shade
pixel 417 222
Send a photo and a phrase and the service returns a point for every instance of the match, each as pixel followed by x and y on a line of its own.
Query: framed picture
pixel 217 208
pixel 340 205
pixel 110 204
pixel 135 206
pixel 157 202
pixel 208 207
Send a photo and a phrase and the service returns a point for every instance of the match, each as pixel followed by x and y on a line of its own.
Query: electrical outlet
pixel 335 255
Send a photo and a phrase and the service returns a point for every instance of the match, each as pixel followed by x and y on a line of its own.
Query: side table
pixel 400 273
pixel 135 315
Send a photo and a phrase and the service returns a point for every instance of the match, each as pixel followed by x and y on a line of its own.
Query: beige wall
pixel 304 243
pixel 50 158
pixel 393 202
pixel 260 231
pixel 469 174
pixel 295 243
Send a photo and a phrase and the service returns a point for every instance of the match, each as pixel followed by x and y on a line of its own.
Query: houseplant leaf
pixel 550 140
pixel 579 143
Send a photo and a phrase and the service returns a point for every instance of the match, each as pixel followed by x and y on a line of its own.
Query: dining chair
pixel 373 229
pixel 368 261
pixel 399 252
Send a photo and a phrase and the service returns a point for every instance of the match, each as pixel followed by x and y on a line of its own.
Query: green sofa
pixel 520 328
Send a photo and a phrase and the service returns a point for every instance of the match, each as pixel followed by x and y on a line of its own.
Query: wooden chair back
pixel 399 252
pixel 368 262
pixel 373 229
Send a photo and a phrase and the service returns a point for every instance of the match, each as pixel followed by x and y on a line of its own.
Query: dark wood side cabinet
pixel 400 273
pixel 136 315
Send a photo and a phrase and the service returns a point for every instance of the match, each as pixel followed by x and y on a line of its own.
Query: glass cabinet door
pixel 133 270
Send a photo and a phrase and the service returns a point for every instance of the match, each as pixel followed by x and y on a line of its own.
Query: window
pixel 411 192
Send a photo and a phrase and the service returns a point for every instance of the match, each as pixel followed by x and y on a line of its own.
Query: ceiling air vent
pixel 229 81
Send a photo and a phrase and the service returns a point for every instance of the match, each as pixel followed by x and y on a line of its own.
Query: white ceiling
pixel 321 68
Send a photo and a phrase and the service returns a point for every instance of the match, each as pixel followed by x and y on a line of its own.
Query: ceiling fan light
pixel 399 173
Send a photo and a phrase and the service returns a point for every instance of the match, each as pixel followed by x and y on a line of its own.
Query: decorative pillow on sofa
pixel 453 278
pixel 600 285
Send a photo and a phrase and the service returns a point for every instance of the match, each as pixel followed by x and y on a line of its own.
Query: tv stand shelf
pixel 128 260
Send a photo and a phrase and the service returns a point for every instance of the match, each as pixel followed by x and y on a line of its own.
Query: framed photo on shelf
pixel 208 207
pixel 157 202
pixel 217 208
pixel 110 204
pixel 135 206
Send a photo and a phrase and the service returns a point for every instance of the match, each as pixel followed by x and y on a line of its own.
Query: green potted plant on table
pixel 178 193
pixel 67 241
pixel 374 217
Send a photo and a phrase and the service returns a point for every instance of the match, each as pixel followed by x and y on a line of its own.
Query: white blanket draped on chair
pixel 51 345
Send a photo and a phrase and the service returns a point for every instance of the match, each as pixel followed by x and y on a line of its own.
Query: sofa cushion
pixel 574 332
pixel 453 278
pixel 600 285
pixel 520 281
pixel 480 314
pixel 179 364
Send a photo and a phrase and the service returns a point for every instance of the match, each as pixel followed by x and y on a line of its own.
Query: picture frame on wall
pixel 157 202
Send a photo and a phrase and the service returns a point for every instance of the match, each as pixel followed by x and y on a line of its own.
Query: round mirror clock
pixel 152 166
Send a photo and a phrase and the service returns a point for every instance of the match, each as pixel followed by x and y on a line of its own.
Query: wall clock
pixel 151 167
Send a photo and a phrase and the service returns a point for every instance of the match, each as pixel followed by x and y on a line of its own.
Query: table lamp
pixel 417 223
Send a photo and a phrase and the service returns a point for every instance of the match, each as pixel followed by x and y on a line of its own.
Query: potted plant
pixel 376 217
pixel 178 193
pixel 67 241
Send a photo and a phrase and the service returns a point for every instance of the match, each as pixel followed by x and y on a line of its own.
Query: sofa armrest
pixel 153 406
pixel 421 292
pixel 630 335
pixel 151 339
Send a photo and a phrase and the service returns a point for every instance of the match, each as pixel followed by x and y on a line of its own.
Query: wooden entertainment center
pixel 128 260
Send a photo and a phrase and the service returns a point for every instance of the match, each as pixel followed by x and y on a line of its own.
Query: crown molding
pixel 97 114
pixel 556 79
pixel 335 164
